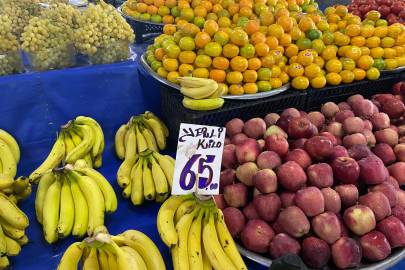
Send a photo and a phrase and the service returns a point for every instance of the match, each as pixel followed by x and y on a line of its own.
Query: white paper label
pixel 198 160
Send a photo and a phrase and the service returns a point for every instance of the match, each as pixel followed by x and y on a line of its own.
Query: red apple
pixel 300 127
pixel 310 200
pixel 399 213
pixel 271 119
pixel 332 200
pixel 363 108
pixel 359 151
pixel 348 194
pixel 249 212
pixel 226 178
pixel 394 108
pixel 234 127
pixel 317 119
pixel 396 89
pixel 315 252
pixel 326 227
pixel 290 112
pixel 385 153
pixel 255 128
pixel 375 246
pixel 343 115
pixel 220 201
pixel 245 173
pixel 283 122
pixel 229 158
pixel 318 147
pixel 298 144
pixel 399 151
pixel 329 110
pixel 236 195
pixel 278 144
pixel 288 198
pixel 360 219
pixel 283 244
pixel 267 206
pixel 356 138
pixel 269 160
pixel 388 136
pixel 372 170
pixel 344 106
pixel 389 191
pixel 257 235
pixel 320 175
pixel 370 138
pixel 293 221
pixel 397 171
pixel 338 151
pixel 299 156
pixel 247 151
pixel 345 170
pixel 336 129
pixel 346 253
pixel 378 203
pixel 234 220
pixel 291 176
pixel 240 137
pixel 331 137
pixel 394 230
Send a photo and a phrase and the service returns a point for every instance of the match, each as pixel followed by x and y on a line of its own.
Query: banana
pixel 184 208
pixel 206 261
pixel 1 167
pixel 123 174
pixel 125 260
pixel 24 195
pixel 149 190
pixel 85 255
pixel 10 231
pixel 22 241
pixel 150 139
pixel 84 147
pixel 131 145
pixel 218 93
pixel 101 229
pixel 126 193
pixel 20 184
pixel 228 244
pixel 112 259
pixel 67 210
pixel 51 210
pixel 4 263
pixel 172 160
pixel 11 142
pixel 72 256
pixel 13 248
pixel 103 260
pixel 3 243
pixel 194 243
pixel 139 260
pixel 89 160
pixel 213 248
pixel 46 181
pixel 183 228
pixel 200 92
pixel 144 246
pixel 6 181
pixel 7 159
pixel 167 167
pixel 98 133
pixel 175 257
pixel 94 198
pixel 12 214
pixel 8 191
pixel 149 115
pixel 13 198
pixel 140 140
pixel 159 178
pixel 107 190
pixel 69 144
pixel 52 161
pixel 91 262
pixel 137 184
pixel 203 104
pixel 157 131
pixel 126 137
pixel 193 81
pixel 97 162
pixel 120 140
pixel 75 138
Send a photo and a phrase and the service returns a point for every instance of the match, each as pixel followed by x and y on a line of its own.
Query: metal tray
pixel 240 97
pixel 138 20
pixel 397 70
pixel 395 257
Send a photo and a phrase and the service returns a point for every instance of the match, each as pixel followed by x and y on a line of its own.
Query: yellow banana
pixel 150 139
pixel 1 167
pixel 52 161
pixel 139 260
pixel 84 147
pixel 97 162
pixel 144 246
pixel 140 140
pixel 12 214
pixel 46 181
pixel 157 131
pixel 184 208
pixel 200 92
pixel 175 257
pixel 149 115
pixel 101 229
pixel 203 104
pixel 6 181
pixel 126 193
pixel 228 244
pixel 98 133
pixel 149 190
pixel 8 191
pixel 67 210
pixel 172 160
pixel 167 167
pixel 131 145
pixel 194 243
pixel 159 178
pixel 75 138
pixel 85 255
pixel 91 262
pixel 112 259
pixel 7 159
pixel 106 188
pixel 193 81
pixel 72 256
pixel 120 141
pixel 125 261
pixel 13 248
pixel 11 142
pixel 218 93
pixel 103 260
pixel 69 144
pixel 88 160
pixel 213 248
pixel 137 184
pixel 24 195
pixel 206 261
pixel 123 174
pixel 4 263
pixel 3 243
pixel 22 241
pixel 51 210
pixel 11 231
pixel 20 184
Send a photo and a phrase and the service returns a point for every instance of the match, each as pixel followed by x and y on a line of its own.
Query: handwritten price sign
pixel 198 160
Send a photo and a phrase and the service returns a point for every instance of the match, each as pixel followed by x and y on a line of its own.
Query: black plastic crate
pixel 145 32
pixel 174 113
pixel 317 97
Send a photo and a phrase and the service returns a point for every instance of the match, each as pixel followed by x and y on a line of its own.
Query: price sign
pixel 198 160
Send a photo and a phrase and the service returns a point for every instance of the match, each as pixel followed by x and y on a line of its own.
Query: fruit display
pixel 81 138
pixel 20 189
pixel 390 10
pixel 12 230
pixel 131 250
pixel 73 200
pixel 324 185
pixel 195 231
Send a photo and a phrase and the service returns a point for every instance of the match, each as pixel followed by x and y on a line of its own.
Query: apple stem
pixel 368 190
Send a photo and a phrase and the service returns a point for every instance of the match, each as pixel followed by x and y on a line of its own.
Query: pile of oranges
pixel 249 55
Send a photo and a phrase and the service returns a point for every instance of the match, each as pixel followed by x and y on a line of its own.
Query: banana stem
pixel 68 126
pixel 146 153
pixel 204 200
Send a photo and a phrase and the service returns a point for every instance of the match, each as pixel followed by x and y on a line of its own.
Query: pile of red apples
pixel 323 185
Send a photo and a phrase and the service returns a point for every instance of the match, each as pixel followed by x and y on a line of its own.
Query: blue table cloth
pixel 34 106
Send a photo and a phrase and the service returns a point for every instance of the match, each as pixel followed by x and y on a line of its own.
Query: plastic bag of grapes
pixel 60 57
pixel 10 63
pixel 111 53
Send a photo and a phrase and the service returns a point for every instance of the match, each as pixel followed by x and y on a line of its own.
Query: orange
pixel 285 22
pixel 275 30
pixel 200 12
pixel 189 30
pixel 305 24
pixel 394 31
pixel 207 5
pixel 328 53
pixel 367 31
pixel 239 63
pixel 353 52
pixel 142 7
pixel 267 18
pixel 230 50
pixel 305 58
pixel 381 31
pixel 212 16
pixel 159 3
pixel 195 3
pixel 203 61
pixel 234 77
pixel 387 42
pixel 222 38
pixel 227 3
pixel 268 61
pixel 291 50
pixel 333 65
pixel 400 61
pixel 183 5
pixel 328 39
pixel 390 64
pixel 217 75
pixel 300 83
pixel 250 88
pixel 333 18
pixel 295 33
pixel 400 40
pixel 295 70
pixel 272 42
pixel 373 42
pixel 254 63
pixel 365 50
pixel 213 49
pixel 187 57
pixel 168 19
pixel 281 12
pixel 159 53
pixel 162 72
pixel 312 70
pixel 284 77
pixel 275 71
pixel 185 70
pixel 171 77
pixel 173 51
pixel 359 74
pixel 216 8
pixel 220 63
pixel 319 61
pixel 171 64
pixel 211 27
pixel 148 2
pixel 372 73
pixel 347 76
pixel 318 82
pixel 333 78
pixel 245 12
pixel 233 8
pixel 187 14
pixel 257 38
pixel 352 30
pixel 348 64
pixel 358 41
pixel 342 40
pixel 252 27
pixel 239 37
pixel 276 83
pixel 389 53
pixel 180 24
pixel 170 3
pixel 202 39
pixel 249 76
pixel 236 89
pixel 341 10
pixel 201 73
pixel 285 40
pixel 399 50
pixel 224 22
pixel 262 49
pixel 245 3
pixel 365 62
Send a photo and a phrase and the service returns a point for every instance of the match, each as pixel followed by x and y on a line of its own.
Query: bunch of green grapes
pixel 67 14
pixel 10 60
pixel 10 63
pixel 99 26
pixel 111 53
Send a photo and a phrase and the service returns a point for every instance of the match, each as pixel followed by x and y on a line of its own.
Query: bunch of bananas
pixel 147 175
pixel 140 133
pixel 81 138
pixel 20 189
pixel 201 94
pixel 128 251
pixel 73 199
pixel 195 231
pixel 12 230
